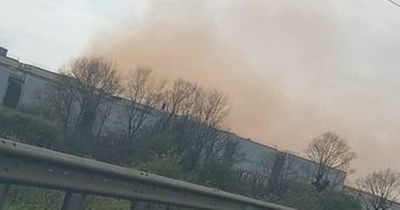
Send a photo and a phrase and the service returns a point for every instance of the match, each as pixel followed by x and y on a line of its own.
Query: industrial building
pixel 21 83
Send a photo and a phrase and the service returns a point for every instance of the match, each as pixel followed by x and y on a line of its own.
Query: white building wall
pixel 297 168
pixel 303 170
pixel 252 152
pixel 33 87
pixel 38 80
pixel 4 73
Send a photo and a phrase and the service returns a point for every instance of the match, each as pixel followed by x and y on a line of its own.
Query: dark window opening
pixel 13 94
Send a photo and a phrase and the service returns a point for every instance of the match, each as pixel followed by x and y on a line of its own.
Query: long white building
pixel 21 83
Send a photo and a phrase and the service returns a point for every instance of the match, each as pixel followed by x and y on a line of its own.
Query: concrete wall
pixel 34 86
pixel 296 167
pixel 252 152
pixel 302 169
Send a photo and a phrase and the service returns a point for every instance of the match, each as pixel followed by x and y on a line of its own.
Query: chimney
pixel 3 52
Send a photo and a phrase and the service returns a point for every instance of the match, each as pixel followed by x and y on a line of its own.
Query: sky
pixel 292 69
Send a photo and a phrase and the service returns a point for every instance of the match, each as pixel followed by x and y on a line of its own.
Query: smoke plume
pixel 292 69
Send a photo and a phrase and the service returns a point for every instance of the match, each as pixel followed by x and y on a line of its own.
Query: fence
pixel 26 165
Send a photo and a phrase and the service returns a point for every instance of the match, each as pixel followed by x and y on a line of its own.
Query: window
pixel 14 88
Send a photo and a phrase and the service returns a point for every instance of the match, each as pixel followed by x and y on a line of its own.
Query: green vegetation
pixel 30 129
pixel 160 153
pixel 300 196
pixel 104 203
pixel 28 198
pixel 332 200
pixel 307 197
pixel 164 165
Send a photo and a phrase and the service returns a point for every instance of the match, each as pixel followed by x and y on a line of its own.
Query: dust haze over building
pixel 293 69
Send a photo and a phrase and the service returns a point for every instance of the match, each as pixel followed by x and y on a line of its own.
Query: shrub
pixel 332 200
pixel 29 129
pixel 300 196
pixel 163 165
pixel 28 198
pixel 306 197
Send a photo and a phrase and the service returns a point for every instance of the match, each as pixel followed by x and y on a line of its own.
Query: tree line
pixel 178 129
pixel 180 121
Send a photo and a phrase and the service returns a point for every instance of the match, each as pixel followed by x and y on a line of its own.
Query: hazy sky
pixel 51 32
pixel 293 69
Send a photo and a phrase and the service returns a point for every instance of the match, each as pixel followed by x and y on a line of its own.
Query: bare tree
pixel 217 165
pixel 258 180
pixel 379 189
pixel 95 80
pixel 206 113
pixel 210 107
pixel 186 101
pixel 178 100
pixel 329 151
pixel 279 172
pixel 199 113
pixel 57 101
pixel 103 112
pixel 272 170
pixel 144 94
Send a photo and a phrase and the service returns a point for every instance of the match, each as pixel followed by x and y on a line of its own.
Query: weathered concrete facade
pixel 293 166
pixel 28 81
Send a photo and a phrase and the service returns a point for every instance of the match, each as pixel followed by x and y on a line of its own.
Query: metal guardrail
pixel 22 164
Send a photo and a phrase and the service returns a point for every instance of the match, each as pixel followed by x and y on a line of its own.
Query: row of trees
pixel 173 129
pixel 192 116
pixel 91 86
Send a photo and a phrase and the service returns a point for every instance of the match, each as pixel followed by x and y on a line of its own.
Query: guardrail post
pixel 170 207
pixel 133 205
pixel 139 205
pixel 74 201
pixel 251 208
pixel 4 188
